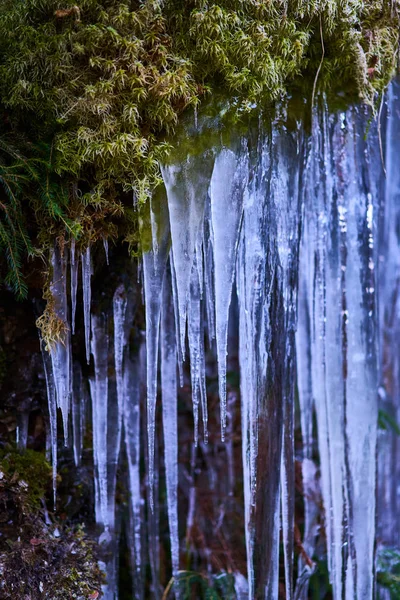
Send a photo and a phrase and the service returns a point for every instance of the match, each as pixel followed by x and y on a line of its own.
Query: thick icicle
pixel 306 403
pixel 170 414
pixel 360 350
pixel 186 185
pixel 60 352
pixel 388 496
pixel 288 157
pixel 196 350
pixel 228 184
pixel 87 296
pixel 100 412
pixel 339 213
pixel 154 261
pixel 254 281
pixel 74 282
pixel 266 281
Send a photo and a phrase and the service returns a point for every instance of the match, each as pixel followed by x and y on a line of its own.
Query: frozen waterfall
pixel 288 236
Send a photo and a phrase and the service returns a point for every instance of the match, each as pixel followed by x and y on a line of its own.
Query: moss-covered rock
pixel 39 557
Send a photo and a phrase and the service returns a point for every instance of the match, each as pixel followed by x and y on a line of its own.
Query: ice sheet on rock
pixel 87 296
pixel 227 187
pixel 100 413
pixel 186 184
pixel 74 282
pixel 154 260
pixel 388 495
pixel 170 414
pixel 60 352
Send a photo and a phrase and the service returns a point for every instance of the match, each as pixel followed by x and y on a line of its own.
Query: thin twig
pixel 168 589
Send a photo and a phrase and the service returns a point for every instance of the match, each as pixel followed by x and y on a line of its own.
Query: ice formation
pixel 291 238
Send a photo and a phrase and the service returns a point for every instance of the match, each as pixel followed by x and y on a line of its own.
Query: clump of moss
pixel 29 471
pixel 39 557
pixel 97 92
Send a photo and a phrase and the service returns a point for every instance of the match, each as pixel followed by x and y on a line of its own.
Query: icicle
pixel 153 524
pixel 288 157
pixel 153 269
pixel 74 282
pixel 343 351
pixel 209 273
pixel 119 312
pixel 360 350
pixel 22 429
pixel 132 445
pixel 52 406
pixel 78 413
pixel 100 412
pixel 176 315
pixel 261 419
pixel 228 183
pixel 170 416
pixel 87 297
pixel 311 494
pixel 388 496
pixel 61 351
pixel 266 282
pixel 186 185
pixel 196 350
pixel 105 244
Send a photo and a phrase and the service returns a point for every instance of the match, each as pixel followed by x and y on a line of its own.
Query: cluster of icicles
pixel 303 230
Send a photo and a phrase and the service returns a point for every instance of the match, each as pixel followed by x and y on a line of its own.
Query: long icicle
pixel 60 351
pixel 154 261
pixel 228 184
pixel 170 416
pixel 186 185
pixel 87 297
pixel 52 406
pixel 74 282
pixel 132 422
pixel 100 412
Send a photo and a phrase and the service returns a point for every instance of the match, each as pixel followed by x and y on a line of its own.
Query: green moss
pixel 109 89
pixel 39 556
pixel 30 469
